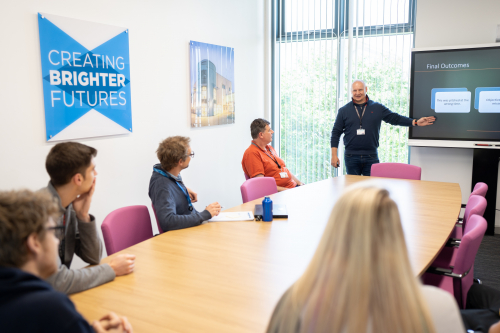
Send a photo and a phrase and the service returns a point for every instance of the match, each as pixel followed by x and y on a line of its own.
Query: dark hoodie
pixel 29 304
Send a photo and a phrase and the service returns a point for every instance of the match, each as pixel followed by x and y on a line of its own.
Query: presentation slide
pixel 461 88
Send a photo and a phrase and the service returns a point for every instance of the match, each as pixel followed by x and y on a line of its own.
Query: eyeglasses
pixel 58 230
pixel 191 155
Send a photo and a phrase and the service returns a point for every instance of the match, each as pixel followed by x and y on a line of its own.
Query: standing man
pixel 28 254
pixel 72 172
pixel 172 200
pixel 360 121
pixel 261 160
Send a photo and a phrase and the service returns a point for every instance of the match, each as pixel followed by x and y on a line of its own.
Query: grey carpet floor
pixel 487 263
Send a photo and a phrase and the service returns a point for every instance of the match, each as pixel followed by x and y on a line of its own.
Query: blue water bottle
pixel 267 209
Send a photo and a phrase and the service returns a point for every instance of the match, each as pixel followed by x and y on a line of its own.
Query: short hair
pixel 22 213
pixel 66 159
pixel 257 126
pixel 172 150
pixel 358 80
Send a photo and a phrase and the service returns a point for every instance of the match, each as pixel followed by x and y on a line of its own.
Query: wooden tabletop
pixel 228 276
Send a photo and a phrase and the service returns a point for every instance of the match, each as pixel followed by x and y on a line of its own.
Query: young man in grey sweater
pixel 172 200
pixel 72 172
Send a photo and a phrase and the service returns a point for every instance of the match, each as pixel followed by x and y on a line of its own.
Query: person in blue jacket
pixel 360 121
pixel 29 254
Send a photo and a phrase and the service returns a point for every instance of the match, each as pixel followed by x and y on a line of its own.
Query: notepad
pixel 232 216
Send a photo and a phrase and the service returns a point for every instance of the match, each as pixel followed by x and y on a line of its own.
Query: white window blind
pixel 320 47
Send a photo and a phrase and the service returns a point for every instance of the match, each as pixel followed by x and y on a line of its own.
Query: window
pixel 316 55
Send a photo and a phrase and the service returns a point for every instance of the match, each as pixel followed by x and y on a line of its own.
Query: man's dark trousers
pixel 360 164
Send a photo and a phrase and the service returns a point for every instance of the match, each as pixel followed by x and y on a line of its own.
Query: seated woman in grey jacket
pixel 360 278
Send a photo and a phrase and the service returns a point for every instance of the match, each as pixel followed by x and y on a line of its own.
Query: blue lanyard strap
pixel 186 194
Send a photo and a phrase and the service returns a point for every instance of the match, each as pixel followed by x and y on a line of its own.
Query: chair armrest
pixel 453 242
pixel 446 272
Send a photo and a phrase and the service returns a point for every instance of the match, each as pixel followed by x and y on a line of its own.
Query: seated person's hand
pixel 193 195
pixel 214 209
pixel 123 264
pixel 495 328
pixel 112 323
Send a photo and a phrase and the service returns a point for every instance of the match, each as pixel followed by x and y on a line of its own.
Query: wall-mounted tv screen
pixel 460 86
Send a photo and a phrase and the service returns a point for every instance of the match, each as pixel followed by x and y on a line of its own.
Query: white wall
pixel 447 23
pixel 160 31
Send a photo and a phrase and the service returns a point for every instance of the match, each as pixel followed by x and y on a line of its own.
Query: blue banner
pixel 86 90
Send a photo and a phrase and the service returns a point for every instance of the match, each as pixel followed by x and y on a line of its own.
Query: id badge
pixel 283 175
pixel 361 131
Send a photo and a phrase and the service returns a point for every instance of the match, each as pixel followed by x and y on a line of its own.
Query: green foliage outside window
pixel 308 97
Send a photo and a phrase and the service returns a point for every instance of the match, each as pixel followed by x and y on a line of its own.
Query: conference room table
pixel 228 276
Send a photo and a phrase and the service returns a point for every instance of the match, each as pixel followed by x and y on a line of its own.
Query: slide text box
pixel 489 102
pixel 453 102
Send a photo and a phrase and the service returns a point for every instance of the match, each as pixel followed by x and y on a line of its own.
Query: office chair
pixel 458 280
pixel 258 187
pixel 125 227
pixel 479 189
pixel 396 170
pixel 447 257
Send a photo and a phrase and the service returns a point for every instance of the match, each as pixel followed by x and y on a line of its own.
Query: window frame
pixel 342 24
pixel 278 24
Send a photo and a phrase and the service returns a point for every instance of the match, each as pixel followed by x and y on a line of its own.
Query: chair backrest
pixel 465 257
pixel 125 227
pixel 246 176
pixel 160 230
pixel 396 170
pixel 480 189
pixel 476 205
pixel 258 187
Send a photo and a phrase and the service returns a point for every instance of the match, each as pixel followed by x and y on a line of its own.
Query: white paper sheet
pixel 233 216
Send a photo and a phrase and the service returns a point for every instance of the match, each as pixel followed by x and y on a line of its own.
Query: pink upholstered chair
pixel 447 257
pixel 160 230
pixel 479 189
pixel 246 176
pixel 396 170
pixel 125 227
pixel 258 187
pixel 476 205
pixel 457 281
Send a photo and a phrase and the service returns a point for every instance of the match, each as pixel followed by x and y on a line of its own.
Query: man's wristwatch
pixel 416 122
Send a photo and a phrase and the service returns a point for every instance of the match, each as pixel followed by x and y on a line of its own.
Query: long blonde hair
pixel 360 276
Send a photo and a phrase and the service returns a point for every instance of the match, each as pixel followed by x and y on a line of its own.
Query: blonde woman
pixel 360 279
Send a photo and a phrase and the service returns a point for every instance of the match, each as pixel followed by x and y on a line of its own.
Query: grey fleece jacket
pixel 83 240
pixel 171 205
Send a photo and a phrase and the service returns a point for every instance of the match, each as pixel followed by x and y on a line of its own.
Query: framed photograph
pixel 211 84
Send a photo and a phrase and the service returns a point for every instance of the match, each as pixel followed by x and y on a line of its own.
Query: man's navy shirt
pixel 347 122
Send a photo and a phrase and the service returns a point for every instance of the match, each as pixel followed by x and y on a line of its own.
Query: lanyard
pixel 356 108
pixel 188 198
pixel 274 159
